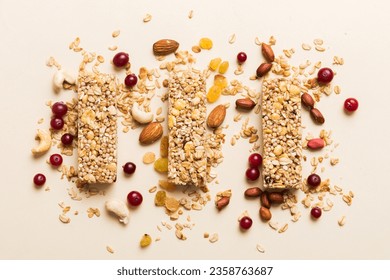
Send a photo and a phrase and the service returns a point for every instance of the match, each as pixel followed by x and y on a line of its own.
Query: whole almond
pixel 151 133
pixel 317 116
pixel 264 200
pixel 316 143
pixel 253 192
pixel 245 103
pixel 263 69
pixel 307 101
pixel 267 52
pixel 165 47
pixel 265 213
pixel 216 116
pixel 222 202
pixel 275 197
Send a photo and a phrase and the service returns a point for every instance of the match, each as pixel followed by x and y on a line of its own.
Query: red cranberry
pixel 67 139
pixel 59 109
pixel 120 59
pixel 131 80
pixel 56 159
pixel 241 57
pixel 134 198
pixel 57 123
pixel 252 173
pixel 316 212
pixel 351 104
pixel 255 160
pixel 39 179
pixel 325 75
pixel 314 180
pixel 129 168
pixel 245 222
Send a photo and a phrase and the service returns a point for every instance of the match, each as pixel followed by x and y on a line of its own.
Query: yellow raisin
pixel 214 93
pixel 146 240
pixel 159 199
pixel 164 184
pixel 221 81
pixel 161 165
pixel 205 43
pixel 214 63
pixel 164 147
pixel 223 67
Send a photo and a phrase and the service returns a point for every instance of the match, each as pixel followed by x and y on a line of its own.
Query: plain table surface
pixel 31 31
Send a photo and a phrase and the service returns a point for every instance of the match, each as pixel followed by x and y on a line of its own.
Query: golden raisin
pixel 214 63
pixel 146 240
pixel 214 93
pixel 164 147
pixel 164 184
pixel 159 199
pixel 223 67
pixel 221 81
pixel 205 43
pixel 161 165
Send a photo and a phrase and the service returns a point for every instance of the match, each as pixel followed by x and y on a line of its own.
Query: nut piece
pixel 44 138
pixel 317 116
pixel 165 47
pixel 316 143
pixel 264 200
pixel 141 116
pixel 267 52
pixel 275 197
pixel 263 69
pixel 265 214
pixel 60 77
pixel 253 192
pixel 245 103
pixel 118 208
pixel 222 203
pixel 217 116
pixel 151 133
pixel 307 101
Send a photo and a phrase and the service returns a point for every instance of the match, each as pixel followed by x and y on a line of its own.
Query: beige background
pixel 31 31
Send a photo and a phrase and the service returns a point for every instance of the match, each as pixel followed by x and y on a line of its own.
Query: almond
pixel 317 116
pixel 265 214
pixel 275 197
pixel 264 200
pixel 151 133
pixel 263 69
pixel 245 103
pixel 253 192
pixel 307 101
pixel 216 116
pixel 222 203
pixel 165 47
pixel 316 143
pixel 267 52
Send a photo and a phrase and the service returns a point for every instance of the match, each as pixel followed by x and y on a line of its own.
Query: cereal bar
pixel 97 128
pixel 281 121
pixel 187 129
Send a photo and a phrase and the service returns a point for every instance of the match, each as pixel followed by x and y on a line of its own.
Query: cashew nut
pixel 118 208
pixel 141 116
pixel 44 138
pixel 60 77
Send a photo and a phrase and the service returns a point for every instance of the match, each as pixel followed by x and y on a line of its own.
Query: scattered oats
pixel 253 78
pixel 322 169
pixel 260 248
pixel 238 71
pixel 318 42
pixel 337 90
pixel 147 18
pixel 320 48
pixel 351 194
pixel 159 228
pixel 125 129
pixel 64 219
pixel 93 211
pixel 283 229
pixel 233 141
pixel 113 48
pixel 109 249
pixel 341 221
pixel 237 117
pixel 338 60
pixel 337 188
pixel 347 199
pixel 168 226
pixel 196 206
pixel 257 41
pixel 306 47
pixel 232 38
pixel 273 225
pixel 153 189
pixel 160 119
pixel 159 111
pixel 149 157
pixel 206 235
pixel 272 40
pixel 213 238
pixel 196 49
pixel 334 161
pixel 296 217
pixel 100 58
pixel 41 120
pixel 179 234
pixel 191 14
pixel 289 52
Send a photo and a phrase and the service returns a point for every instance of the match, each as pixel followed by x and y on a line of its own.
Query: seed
pixel 264 200
pixel 316 143
pixel 253 192
pixel 222 203
pixel 275 197
pixel 317 116
pixel 265 214
pixel 307 101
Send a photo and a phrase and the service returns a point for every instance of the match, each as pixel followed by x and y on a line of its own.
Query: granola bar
pixel 282 135
pixel 97 128
pixel 187 129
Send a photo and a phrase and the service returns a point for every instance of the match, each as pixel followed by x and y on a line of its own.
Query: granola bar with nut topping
pixel 97 128
pixel 282 135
